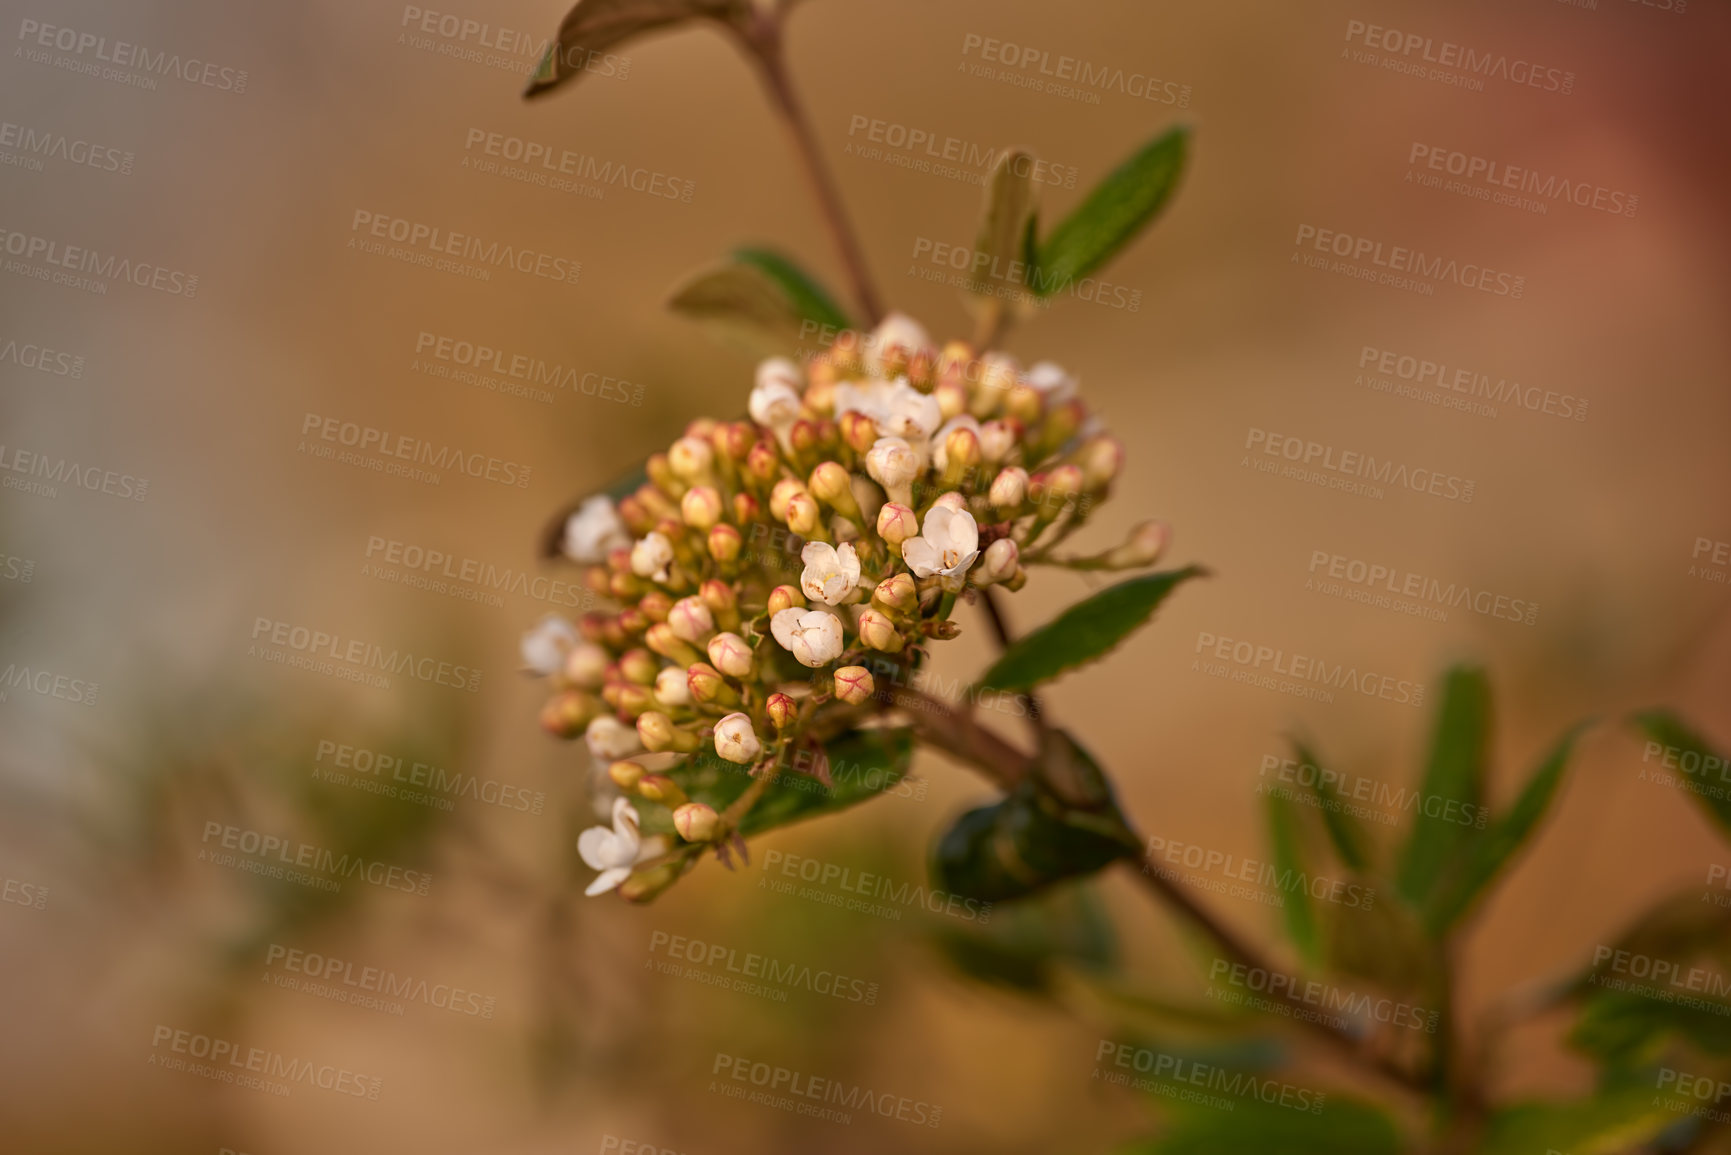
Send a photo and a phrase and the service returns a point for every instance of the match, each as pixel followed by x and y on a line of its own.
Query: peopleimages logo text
pixel 121 53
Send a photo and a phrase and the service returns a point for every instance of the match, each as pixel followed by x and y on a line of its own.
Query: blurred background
pixel 176 526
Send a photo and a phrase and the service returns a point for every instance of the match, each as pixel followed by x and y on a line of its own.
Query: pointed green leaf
pixel 1085 632
pixel 761 296
pixel 1284 836
pixel 1253 1127
pixel 1456 772
pixel 593 27
pixel 1351 843
pixel 1610 1122
pixel 1120 206
pixel 1671 739
pixel 1000 246
pixel 1628 1028
pixel 1491 851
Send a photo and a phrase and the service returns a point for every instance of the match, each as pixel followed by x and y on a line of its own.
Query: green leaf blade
pixel 1085 632
pixel 761 296
pixel 1118 208
pixel 1350 841
pixel 594 26
pixel 1669 732
pixel 1285 837
pixel 1456 772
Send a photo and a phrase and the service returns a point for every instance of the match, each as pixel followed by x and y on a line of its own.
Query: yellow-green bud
pixel 853 684
pixel 877 631
pixel 708 686
pixel 783 711
pixel 897 594
pixel 701 506
pixel 638 666
pixel 625 774
pixel 660 735
pixel 566 715
pixel 696 822
pixel 660 788
pixel 785 598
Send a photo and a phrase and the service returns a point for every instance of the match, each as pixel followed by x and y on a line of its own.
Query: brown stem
pixel 763 44
pixel 955 733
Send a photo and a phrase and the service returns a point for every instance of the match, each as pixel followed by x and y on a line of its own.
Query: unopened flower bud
pixel 952 399
pixel 736 741
pixel 660 788
pixel 783 710
pixel 1143 547
pixel 706 685
pixel 897 523
pixel 632 699
pixel 782 494
pixel 701 506
pixel 725 543
pixel 893 464
pixel 733 440
pixel 631 622
pixel 671 688
pixel 696 822
pixel 762 462
pixel 961 450
pixel 859 431
pixel 639 667
pixel 656 605
pixel 1024 404
pixel 785 598
pixel 625 775
pixel 660 471
pixel 691 620
pixel 833 485
pixel 659 734
pixel 586 665
pixel 804 517
pixel 999 563
pixel 723 603
pixel 878 632
pixel 731 655
pixel 746 508
pixel 1100 459
pixel 804 437
pixel 691 459
pixel 1063 483
pixel 853 684
pixel 1009 489
pixel 661 638
pixel 568 714
pixel 897 594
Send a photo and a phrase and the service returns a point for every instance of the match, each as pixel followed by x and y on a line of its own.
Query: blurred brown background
pixel 353 108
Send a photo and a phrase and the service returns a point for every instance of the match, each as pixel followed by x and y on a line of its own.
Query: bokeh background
pixel 115 927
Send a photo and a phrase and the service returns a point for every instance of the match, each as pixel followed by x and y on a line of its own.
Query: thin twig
pixel 763 45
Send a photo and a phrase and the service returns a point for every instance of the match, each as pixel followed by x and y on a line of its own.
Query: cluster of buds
pixel 766 563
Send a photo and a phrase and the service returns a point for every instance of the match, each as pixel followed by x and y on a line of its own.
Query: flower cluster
pixel 765 564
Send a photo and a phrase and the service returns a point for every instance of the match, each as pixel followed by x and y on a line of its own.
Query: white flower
pixel 780 370
pixel 651 557
pixel 949 542
pixel 544 647
pixel 997 438
pixel 736 741
pixel 897 409
pixel 897 329
pixel 609 739
pixel 612 852
pixel 812 636
pixel 830 574
pixel 940 455
pixel 671 687
pixel 1055 385
pixel 893 464
pixel 775 398
pixel 594 530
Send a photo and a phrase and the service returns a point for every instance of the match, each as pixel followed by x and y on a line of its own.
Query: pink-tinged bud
pixel 1009 489
pixel 999 563
pixel 586 666
pixel 706 685
pixel 746 508
pixel 952 399
pixel 691 459
pixel 632 622
pixel 1143 547
pixel 922 369
pixel 1024 404
pixel 671 688
pixel 702 428
pixel 859 431
pixel 626 775
pixel 696 822
pixel 1063 483
pixel 804 437
pixel 625 585
pixel 610 692
pixel 731 655
pixel 1101 459
pixel 961 447
pixel 736 741
pixel 804 517
pixel 691 620
pixel 762 463
pixel 782 494
pixel 568 714
pixel 636 518
pixel 661 638
pixel 879 633
pixel 1063 423
pixel 897 523
pixel 656 605
pixel 594 626
pixel 725 543
pixel 660 788
pixel 897 594
pixel 785 598
pixel 701 507
pixel 659 735
pixel 634 699
pixel 954 359
pixel 833 485
pixel 853 684
pixel 722 602
pixel 820 396
pixel 660 471
pixel 638 666
pixel 734 440
pixel 783 710
pixel 997 438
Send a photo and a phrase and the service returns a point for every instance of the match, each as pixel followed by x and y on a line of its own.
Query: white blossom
pixel 893 464
pixel 651 557
pixel 949 542
pixel 613 852
pixel 1054 384
pixel 594 530
pixel 544 647
pixel 814 637
pixel 736 741
pixel 830 574
pixel 609 739
pixel 897 329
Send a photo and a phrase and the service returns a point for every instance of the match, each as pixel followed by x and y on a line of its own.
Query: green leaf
pixel 1351 843
pixel 1254 1127
pixel 594 26
pixel 1627 1028
pixel 1384 945
pixel 1002 240
pixel 862 764
pixel 1611 1121
pixel 1120 206
pixel 1670 733
pixel 761 296
pixel 1284 836
pixel 1083 633
pixel 1022 844
pixel 1491 852
pixel 1456 772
